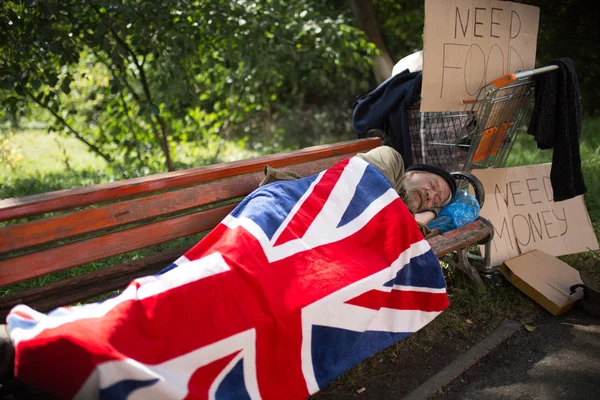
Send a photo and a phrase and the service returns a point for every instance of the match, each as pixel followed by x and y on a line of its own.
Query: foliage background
pixel 152 86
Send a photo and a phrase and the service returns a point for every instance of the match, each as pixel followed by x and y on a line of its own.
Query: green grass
pixel 48 153
pixel 47 162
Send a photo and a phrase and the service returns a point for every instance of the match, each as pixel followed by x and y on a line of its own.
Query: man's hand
pixel 425 217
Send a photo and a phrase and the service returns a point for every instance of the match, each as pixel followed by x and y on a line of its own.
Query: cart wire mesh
pixel 481 136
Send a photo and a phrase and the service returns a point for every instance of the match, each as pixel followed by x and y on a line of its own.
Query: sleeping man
pixel 304 279
pixel 425 189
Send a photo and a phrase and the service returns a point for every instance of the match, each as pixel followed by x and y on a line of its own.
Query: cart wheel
pixel 474 182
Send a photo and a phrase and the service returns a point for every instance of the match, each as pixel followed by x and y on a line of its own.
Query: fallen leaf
pixel 469 321
pixel 530 328
pixel 361 390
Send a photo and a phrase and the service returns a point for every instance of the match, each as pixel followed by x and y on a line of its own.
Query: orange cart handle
pixel 507 79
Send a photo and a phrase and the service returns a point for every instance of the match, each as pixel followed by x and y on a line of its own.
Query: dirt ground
pixel 559 359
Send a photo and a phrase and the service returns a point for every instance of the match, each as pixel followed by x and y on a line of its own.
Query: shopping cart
pixel 481 136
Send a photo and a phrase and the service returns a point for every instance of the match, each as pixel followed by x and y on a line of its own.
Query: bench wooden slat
pixel 96 283
pixel 83 287
pixel 28 234
pixel 78 197
pixel 459 238
pixel 55 259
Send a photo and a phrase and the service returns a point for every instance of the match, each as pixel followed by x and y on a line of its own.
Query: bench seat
pixel 136 227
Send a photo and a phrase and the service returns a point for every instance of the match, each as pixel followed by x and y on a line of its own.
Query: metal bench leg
pixel 468 268
pixel 484 262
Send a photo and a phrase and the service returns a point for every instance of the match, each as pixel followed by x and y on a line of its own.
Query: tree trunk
pixel 365 17
pixel 162 134
pixel 164 143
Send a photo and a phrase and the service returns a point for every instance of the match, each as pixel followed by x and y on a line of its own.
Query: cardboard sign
pixel 519 203
pixel 551 289
pixel 468 43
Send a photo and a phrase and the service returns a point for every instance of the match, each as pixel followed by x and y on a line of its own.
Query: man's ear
pixel 408 176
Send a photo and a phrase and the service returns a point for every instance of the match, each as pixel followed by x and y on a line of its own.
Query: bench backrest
pixel 52 232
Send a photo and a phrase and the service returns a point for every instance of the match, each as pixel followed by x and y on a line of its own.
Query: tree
pixel 128 78
pixel 367 21
pixel 45 45
pixel 401 24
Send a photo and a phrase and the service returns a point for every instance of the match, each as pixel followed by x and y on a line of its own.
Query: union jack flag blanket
pixel 302 281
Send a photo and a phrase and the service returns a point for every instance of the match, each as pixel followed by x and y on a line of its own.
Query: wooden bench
pixel 52 232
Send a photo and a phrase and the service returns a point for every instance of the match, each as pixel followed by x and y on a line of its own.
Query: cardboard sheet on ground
pixel 468 43
pixel 545 279
pixel 518 202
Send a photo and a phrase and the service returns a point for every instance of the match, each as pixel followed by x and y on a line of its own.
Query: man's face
pixel 425 190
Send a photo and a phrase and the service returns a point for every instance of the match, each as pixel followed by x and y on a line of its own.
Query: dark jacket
pixel 556 124
pixel 386 108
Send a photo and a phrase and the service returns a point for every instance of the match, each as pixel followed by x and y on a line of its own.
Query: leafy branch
pixel 63 122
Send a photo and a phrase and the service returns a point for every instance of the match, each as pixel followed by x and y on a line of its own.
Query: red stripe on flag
pixel 22 315
pixel 401 300
pixel 205 376
pixel 313 205
pixel 279 348
pixel 43 359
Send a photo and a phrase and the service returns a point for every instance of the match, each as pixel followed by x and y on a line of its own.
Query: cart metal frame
pixel 480 136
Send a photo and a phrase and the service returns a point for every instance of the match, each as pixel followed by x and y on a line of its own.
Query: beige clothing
pixel 274 175
pixel 389 162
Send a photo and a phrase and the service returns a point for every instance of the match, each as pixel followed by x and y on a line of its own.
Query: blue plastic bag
pixel 462 210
